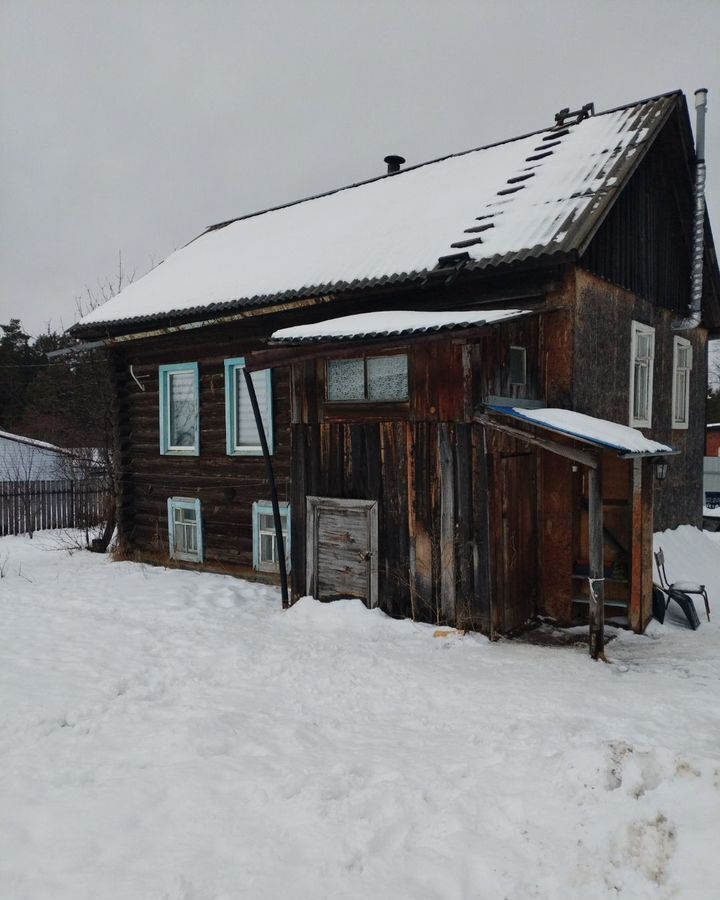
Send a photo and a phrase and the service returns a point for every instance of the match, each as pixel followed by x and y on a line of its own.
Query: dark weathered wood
pixel 446 473
pixel 279 539
pixel 597 565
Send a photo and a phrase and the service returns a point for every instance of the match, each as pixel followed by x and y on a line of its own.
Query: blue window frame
pixel 265 557
pixel 180 410
pixel 242 438
pixel 185 535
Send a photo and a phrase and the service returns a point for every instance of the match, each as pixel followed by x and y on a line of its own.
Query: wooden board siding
pixel 427 467
pixel 601 387
pixel 644 244
pixel 226 485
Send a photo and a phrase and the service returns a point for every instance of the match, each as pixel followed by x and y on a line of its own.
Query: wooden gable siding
pixel 645 244
pixel 427 467
pixel 601 385
pixel 226 485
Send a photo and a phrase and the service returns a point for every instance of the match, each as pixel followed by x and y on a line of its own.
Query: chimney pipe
pixel 393 163
pixel 696 272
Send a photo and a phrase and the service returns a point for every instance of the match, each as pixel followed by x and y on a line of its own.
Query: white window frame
pixel 640 328
pixel 681 343
pixel 232 448
pixel 264 507
pixel 173 504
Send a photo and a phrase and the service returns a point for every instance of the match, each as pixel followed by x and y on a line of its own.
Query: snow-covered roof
pixel 31 442
pixel 599 432
pixel 537 195
pixel 393 323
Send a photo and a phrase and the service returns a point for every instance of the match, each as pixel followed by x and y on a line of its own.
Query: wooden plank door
pixel 342 549
pixel 516 543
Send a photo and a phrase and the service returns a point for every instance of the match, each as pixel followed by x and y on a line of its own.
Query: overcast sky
pixel 129 126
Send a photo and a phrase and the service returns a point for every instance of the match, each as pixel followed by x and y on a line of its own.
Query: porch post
pixel 273 489
pixel 597 566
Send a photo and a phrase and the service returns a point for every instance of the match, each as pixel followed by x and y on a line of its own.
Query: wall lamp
pixel 661 470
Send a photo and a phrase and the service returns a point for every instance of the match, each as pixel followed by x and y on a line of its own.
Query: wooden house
pixel 450 457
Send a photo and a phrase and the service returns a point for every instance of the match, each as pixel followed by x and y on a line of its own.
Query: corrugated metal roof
pixel 540 195
pixel 393 323
pixel 589 429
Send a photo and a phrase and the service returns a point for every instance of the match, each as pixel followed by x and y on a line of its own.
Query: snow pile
pixel 171 735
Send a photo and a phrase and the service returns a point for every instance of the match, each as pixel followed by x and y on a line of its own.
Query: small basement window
pixel 518 366
pixel 265 550
pixel 368 379
pixel 185 538
pixel 180 410
pixel 682 366
pixel 241 434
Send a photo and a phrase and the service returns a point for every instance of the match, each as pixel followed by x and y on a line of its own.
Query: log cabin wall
pixel 601 385
pixel 226 485
pixel 431 470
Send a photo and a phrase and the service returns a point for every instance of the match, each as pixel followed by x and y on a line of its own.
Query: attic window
pixel 518 366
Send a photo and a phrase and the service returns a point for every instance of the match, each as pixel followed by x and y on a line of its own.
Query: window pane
pixel 387 377
pixel 681 396
pixel 267 522
pixel 644 346
pixel 182 412
pixel 517 365
pixel 641 386
pixel 683 357
pixel 246 433
pixel 346 379
pixel 267 547
pixel 185 530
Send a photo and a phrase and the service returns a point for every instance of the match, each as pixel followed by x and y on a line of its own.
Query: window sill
pixel 191 451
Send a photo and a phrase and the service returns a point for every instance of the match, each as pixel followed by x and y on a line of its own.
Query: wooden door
pixel 342 549
pixel 516 540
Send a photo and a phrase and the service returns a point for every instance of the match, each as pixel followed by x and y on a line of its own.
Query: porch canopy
pixel 385 327
pixel 629 442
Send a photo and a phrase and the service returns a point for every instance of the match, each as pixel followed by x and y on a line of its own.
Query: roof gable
pixel 540 195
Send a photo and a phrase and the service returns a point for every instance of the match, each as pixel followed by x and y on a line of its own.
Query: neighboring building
pixel 24 459
pixel 560 259
pixel 712 444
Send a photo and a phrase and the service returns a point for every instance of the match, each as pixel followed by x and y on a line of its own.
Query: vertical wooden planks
pixel 446 475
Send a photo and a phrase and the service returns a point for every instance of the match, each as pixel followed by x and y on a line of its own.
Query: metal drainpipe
pixel 696 275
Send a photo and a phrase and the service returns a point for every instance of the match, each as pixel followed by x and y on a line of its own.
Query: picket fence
pixel 27 506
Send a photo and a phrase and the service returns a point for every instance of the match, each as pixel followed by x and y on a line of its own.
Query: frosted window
pixel 346 379
pixel 387 377
pixel 246 433
pixel 183 408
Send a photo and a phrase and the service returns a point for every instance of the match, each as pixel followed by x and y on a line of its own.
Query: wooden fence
pixel 27 506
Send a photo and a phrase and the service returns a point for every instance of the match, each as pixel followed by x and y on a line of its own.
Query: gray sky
pixel 130 126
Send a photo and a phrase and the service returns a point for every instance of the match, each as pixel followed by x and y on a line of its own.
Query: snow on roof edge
pixel 623 438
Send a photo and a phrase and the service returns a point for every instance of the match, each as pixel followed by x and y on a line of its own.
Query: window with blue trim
pixel 265 550
pixel 185 535
pixel 180 410
pixel 242 438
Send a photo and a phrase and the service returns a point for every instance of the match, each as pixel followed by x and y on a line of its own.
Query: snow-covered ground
pixel 169 735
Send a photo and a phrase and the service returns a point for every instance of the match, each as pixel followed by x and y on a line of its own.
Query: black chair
pixel 684 588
